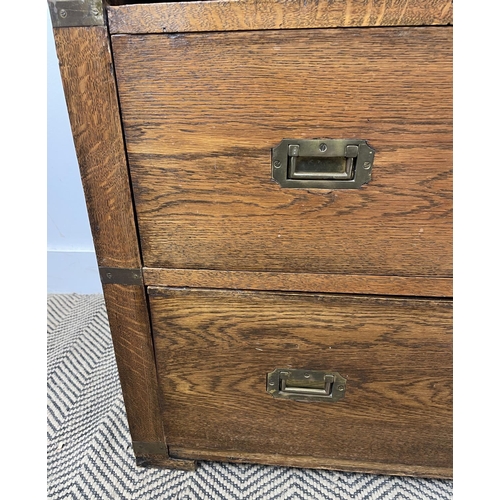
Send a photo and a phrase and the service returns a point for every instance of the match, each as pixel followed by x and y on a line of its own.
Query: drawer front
pixel 214 350
pixel 201 112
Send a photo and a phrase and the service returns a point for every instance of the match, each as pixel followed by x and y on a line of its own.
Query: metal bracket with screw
pixel 72 13
pixel 120 276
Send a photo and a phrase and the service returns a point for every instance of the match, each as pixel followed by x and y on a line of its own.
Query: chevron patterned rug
pixel 88 451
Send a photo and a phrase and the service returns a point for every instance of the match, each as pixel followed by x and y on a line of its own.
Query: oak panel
pixel 300 282
pixel 133 345
pixel 313 462
pixel 201 113
pixel 91 96
pixel 226 15
pixel 214 349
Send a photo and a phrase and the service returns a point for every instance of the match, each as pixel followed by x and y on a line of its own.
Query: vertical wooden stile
pixel 88 79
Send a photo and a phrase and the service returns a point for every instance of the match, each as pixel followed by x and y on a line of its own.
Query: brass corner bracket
pixel 120 276
pixel 73 13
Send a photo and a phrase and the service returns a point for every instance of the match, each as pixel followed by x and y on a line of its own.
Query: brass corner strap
pixel 74 13
pixel 120 276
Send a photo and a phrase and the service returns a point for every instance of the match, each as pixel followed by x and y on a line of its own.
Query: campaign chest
pixel 269 185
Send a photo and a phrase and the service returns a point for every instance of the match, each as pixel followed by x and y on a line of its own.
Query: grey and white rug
pixel 88 451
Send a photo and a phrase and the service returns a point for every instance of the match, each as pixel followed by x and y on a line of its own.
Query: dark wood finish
pixel 91 95
pixel 312 462
pixel 89 85
pixel 300 282
pixel 162 461
pixel 175 17
pixel 202 111
pixel 129 325
pixel 156 455
pixel 214 349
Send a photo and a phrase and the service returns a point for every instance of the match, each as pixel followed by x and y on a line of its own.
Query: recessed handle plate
pixel 322 163
pixel 306 385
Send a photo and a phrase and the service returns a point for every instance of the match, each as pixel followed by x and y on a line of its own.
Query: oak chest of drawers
pixel 269 185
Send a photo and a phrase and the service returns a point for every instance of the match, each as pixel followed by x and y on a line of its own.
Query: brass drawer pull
pixel 322 163
pixel 306 385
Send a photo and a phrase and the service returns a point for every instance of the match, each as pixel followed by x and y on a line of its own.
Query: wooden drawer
pixel 201 112
pixel 214 349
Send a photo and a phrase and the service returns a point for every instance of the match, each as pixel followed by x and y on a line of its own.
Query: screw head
pixel 277 164
pixel 63 13
pixel 109 275
pixel 323 147
pixel 367 165
pixel 340 388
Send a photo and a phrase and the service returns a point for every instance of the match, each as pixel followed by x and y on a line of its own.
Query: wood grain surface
pixel 214 349
pixel 133 345
pixel 303 461
pixel 87 75
pixel 228 15
pixel 300 282
pixel 201 113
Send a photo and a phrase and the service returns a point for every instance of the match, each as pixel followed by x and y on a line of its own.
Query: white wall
pixel 71 262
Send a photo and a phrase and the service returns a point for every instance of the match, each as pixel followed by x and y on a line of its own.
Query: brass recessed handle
pixel 322 163
pixel 306 385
